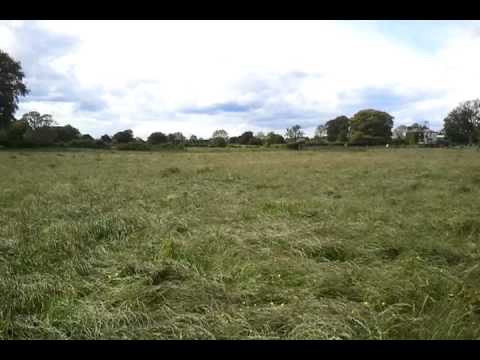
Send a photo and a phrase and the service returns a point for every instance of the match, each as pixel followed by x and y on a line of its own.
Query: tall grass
pixel 377 244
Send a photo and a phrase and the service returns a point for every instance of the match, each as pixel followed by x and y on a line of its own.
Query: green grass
pixel 377 244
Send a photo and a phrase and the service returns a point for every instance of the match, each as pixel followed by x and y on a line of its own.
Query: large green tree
pixel 371 127
pixel 462 124
pixel 338 128
pixel 11 88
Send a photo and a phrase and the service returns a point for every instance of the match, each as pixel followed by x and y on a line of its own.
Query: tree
pixel 371 127
pixel 11 87
pixel 255 141
pixel 220 134
pixel 338 129
pixel 294 133
pixel 321 131
pixel 176 138
pixel 16 131
pixel 260 135
pixel 218 141
pixel 66 133
pixel 87 137
pixel 42 136
pixel 157 138
pixel 273 138
pixel 125 136
pixel 106 139
pixel 35 120
pixel 245 138
pixel 193 140
pixel 462 124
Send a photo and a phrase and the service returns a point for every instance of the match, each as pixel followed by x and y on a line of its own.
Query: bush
pixel 134 146
pixel 88 144
pixel 294 146
pixel 361 139
pixel 169 146
pixel 219 142
pixel 43 136
pixel 255 141
pixel 3 138
pixel 66 133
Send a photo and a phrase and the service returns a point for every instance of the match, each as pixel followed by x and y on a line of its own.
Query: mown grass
pixel 377 244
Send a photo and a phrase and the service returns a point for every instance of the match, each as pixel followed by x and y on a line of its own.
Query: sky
pixel 200 76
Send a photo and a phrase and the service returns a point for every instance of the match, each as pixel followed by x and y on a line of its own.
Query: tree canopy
pixel 338 129
pixel 157 138
pixel 371 127
pixel 220 134
pixel 125 136
pixel 462 124
pixel 11 87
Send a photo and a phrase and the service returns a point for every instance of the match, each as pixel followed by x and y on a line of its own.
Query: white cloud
pixel 147 72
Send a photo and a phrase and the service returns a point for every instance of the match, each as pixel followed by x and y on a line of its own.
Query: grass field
pixel 376 244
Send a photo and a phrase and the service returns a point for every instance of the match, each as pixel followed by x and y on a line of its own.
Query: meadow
pixel 340 244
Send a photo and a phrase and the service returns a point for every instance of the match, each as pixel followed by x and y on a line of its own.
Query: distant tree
pixel 176 138
pixel 273 138
pixel 35 120
pixel 338 129
pixel 66 133
pixel 462 124
pixel 42 136
pixel 233 140
pixel 16 131
pixel 220 134
pixel 245 138
pixel 256 141
pixel 260 135
pixel 106 139
pixel 320 131
pixel 218 141
pixel 125 136
pixel 11 88
pixel 157 138
pixel 87 137
pixel 294 133
pixel 371 127
pixel 193 140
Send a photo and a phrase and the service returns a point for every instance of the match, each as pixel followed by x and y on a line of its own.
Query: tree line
pixel 366 127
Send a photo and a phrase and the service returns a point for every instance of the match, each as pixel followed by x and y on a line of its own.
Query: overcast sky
pixel 199 76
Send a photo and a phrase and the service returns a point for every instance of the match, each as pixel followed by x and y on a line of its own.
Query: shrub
pixel 169 146
pixel 294 146
pixel 157 138
pixel 361 139
pixel 134 146
pixel 219 142
pixel 3 137
pixel 66 133
pixel 43 136
pixel 86 143
pixel 255 141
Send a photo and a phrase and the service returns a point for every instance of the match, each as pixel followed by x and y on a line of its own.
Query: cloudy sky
pixel 199 76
